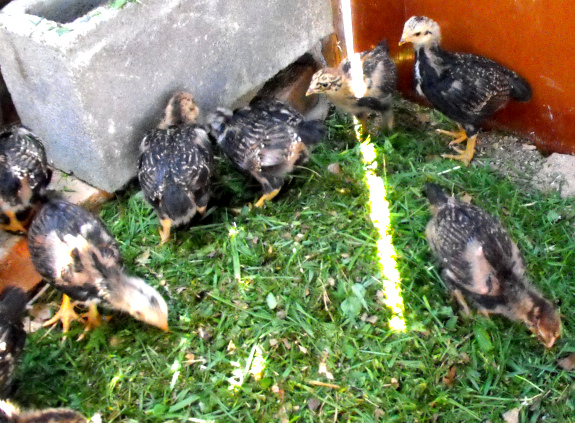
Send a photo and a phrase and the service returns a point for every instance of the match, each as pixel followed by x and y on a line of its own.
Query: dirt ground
pixel 510 155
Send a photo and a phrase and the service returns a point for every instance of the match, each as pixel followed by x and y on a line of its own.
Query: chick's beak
pixel 404 40
pixel 547 337
pixel 134 296
pixel 153 317
pixel 165 327
pixel 158 320
pixel 310 91
pixel 547 341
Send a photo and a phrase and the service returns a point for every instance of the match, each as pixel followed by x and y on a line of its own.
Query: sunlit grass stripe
pixel 380 216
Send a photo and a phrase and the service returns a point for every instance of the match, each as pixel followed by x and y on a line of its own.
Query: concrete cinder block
pixel 90 80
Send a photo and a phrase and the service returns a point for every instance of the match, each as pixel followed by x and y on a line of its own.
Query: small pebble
pixel 334 168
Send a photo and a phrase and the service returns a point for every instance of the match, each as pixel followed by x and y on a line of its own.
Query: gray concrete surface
pixel 90 83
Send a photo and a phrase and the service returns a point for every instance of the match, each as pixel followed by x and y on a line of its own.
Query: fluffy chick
pixel 267 140
pixel 9 413
pixel 74 251
pixel 24 176
pixel 12 335
pixel 480 262
pixel 370 96
pixel 175 165
pixel 465 87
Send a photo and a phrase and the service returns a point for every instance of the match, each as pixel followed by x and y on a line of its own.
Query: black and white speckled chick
pixel 12 335
pixel 267 140
pixel 465 87
pixel 73 250
pixel 175 165
pixel 24 175
pixel 9 413
pixel 480 262
pixel 378 84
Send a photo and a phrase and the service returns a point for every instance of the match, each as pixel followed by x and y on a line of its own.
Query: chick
pixel 267 140
pixel 74 251
pixel 175 165
pixel 465 87
pixel 372 95
pixel 24 176
pixel 9 413
pixel 481 262
pixel 12 335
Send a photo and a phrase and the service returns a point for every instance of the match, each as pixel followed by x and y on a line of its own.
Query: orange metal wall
pixel 534 38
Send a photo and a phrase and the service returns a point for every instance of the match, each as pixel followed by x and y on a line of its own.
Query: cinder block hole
pixel 8 113
pixel 63 11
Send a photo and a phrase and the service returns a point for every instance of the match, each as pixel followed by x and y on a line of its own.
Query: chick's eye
pixel 417 34
pixel 324 84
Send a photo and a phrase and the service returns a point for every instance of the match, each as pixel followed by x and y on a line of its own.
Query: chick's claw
pixel 66 315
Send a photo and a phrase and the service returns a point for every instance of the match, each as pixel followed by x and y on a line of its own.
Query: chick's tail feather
pixel 435 194
pixel 520 88
pixel 13 303
pixel 176 201
pixel 311 132
pixel 48 178
pixel 382 46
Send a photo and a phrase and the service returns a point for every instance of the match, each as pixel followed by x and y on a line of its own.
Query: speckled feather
pixel 12 335
pixel 267 140
pixel 465 87
pixel 24 176
pixel 22 155
pixel 179 155
pixel 479 259
pixel 74 251
pixel 9 413
pixel 379 71
pixel 379 77
pixel 460 233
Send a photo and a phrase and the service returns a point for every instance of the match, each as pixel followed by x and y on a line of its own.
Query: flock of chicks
pixel 72 249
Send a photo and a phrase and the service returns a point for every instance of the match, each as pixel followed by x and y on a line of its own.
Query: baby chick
pixel 12 335
pixel 9 413
pixel 370 96
pixel 465 87
pixel 481 262
pixel 74 251
pixel 267 140
pixel 24 175
pixel 175 165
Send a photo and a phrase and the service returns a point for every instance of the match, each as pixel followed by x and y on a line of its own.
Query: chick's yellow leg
pixel 364 126
pixel 461 300
pixel 390 120
pixel 165 231
pixel 464 156
pixel 92 320
pixel 266 197
pixel 66 314
pixel 458 136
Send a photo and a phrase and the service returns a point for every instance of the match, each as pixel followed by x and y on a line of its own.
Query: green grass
pixel 292 283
